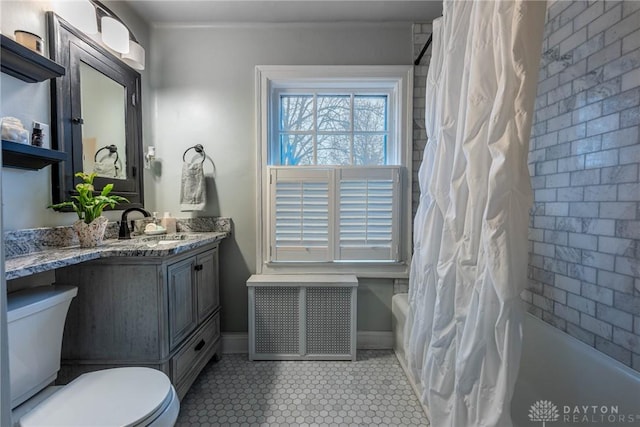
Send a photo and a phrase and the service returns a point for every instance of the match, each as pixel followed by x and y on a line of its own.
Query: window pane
pixel 333 113
pixel 296 150
pixel 370 113
pixel 296 112
pixel 369 149
pixel 334 150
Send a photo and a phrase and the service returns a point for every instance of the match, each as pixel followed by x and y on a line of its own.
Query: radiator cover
pixel 302 317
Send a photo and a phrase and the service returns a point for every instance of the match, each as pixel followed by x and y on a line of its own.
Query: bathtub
pixel 587 387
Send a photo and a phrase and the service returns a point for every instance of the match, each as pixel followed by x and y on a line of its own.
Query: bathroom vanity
pixel 150 301
pixel 155 311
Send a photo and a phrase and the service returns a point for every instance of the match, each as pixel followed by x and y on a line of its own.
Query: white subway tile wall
pixel 421 33
pixel 584 263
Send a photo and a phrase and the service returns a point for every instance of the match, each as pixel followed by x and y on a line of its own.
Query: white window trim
pixel 269 76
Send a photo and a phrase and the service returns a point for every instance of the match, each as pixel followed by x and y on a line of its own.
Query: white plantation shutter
pixel 301 219
pixel 334 214
pixel 368 204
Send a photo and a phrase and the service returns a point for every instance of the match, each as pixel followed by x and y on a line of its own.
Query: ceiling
pixel 202 12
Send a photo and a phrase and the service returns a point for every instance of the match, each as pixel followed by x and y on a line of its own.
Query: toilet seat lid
pixel 111 397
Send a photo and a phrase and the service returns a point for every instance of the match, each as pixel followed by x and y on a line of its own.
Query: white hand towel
pixel 106 168
pixel 193 196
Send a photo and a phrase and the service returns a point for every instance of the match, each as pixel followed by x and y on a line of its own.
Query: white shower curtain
pixel 464 335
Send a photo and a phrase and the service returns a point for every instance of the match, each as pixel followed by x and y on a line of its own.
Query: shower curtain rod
pixel 424 49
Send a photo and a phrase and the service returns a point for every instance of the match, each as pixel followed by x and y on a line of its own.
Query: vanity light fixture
pixel 135 57
pixel 84 15
pixel 115 34
pixel 81 14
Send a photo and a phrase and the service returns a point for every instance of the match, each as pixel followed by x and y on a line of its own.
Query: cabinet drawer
pixel 196 352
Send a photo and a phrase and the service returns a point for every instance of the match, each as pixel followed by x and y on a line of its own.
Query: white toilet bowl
pixel 111 397
pixel 118 397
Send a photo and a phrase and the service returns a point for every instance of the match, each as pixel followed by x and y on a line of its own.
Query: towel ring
pixel 199 149
pixel 112 149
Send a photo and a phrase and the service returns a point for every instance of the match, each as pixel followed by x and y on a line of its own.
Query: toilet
pixel 131 396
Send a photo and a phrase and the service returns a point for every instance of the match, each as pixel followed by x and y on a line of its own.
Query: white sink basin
pixel 168 242
pixel 154 241
pixel 166 238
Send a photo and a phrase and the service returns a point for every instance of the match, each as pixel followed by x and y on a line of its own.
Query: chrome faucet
pixel 124 232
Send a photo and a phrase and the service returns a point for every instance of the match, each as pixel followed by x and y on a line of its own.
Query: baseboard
pixel 375 340
pixel 237 342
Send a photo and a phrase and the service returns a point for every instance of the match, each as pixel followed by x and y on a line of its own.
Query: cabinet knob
pixel 198 267
pixel 199 346
pixel 77 121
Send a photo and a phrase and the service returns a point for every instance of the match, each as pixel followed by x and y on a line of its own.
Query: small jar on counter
pixel 37 136
pixel 169 223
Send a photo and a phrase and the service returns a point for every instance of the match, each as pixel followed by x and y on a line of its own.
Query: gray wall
pixel 584 266
pixel 202 82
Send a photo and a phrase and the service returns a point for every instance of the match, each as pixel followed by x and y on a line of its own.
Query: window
pixel 334 161
pixel 332 129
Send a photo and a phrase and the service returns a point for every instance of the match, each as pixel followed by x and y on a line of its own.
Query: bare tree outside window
pixel 333 129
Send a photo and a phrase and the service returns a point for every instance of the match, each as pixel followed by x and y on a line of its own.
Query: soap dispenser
pixel 169 223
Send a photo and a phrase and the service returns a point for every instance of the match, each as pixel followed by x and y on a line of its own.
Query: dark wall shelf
pixel 23 156
pixel 26 65
pixel 30 67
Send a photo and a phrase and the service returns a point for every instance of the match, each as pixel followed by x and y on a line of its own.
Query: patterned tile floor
pixel 236 392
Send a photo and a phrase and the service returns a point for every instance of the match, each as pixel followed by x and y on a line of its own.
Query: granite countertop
pixel 36 250
pixel 147 246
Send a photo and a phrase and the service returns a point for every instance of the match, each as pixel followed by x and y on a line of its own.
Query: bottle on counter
pixel 169 223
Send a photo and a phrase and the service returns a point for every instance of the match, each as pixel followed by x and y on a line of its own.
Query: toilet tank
pixel 36 319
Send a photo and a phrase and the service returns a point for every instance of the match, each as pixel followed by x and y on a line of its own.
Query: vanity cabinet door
pixel 207 283
pixel 182 300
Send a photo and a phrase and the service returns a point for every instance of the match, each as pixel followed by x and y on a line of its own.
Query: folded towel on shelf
pixel 193 196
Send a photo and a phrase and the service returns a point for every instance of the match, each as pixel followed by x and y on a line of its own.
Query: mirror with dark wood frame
pixel 96 116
